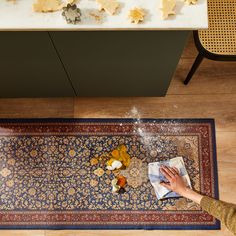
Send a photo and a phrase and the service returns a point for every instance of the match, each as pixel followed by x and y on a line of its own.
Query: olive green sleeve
pixel 225 212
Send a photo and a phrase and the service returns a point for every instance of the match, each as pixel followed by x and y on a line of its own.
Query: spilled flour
pixel 148 140
pixel 153 143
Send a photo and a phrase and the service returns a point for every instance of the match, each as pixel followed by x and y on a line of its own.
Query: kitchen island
pixel 102 55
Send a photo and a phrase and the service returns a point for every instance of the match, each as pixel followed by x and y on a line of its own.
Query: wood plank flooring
pixel 211 94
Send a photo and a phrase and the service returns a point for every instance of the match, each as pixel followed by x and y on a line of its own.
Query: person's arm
pixel 226 212
pixel 223 211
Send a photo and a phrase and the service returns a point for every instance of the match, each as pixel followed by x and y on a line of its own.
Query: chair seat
pixel 220 38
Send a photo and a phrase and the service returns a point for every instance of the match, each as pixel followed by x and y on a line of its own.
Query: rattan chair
pixel 219 41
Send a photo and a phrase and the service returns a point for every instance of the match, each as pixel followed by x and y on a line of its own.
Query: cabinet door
pixel 120 63
pixel 30 67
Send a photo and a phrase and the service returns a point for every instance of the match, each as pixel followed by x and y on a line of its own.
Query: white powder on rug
pixel 150 140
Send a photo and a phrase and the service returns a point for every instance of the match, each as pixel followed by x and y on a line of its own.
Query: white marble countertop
pixel 20 16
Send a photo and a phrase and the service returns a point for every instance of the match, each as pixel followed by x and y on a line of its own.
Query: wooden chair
pixel 219 41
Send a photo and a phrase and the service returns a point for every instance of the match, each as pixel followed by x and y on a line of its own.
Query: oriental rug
pixel 53 176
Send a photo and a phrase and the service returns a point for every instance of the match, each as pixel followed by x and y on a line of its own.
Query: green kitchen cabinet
pixel 88 63
pixel 30 67
pixel 120 63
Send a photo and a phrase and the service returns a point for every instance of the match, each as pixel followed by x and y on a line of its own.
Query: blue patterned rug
pixel 53 173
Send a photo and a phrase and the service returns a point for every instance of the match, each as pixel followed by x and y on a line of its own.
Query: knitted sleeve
pixel 225 212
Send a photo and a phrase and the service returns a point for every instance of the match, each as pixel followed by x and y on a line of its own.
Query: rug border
pixel 109 120
pixel 216 226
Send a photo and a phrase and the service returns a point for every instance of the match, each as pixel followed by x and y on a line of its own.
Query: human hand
pixel 176 182
pixel 178 185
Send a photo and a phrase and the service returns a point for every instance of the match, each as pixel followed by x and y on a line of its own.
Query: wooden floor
pixel 211 94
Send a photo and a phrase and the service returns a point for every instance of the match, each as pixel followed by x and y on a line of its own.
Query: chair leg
pixel 195 65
